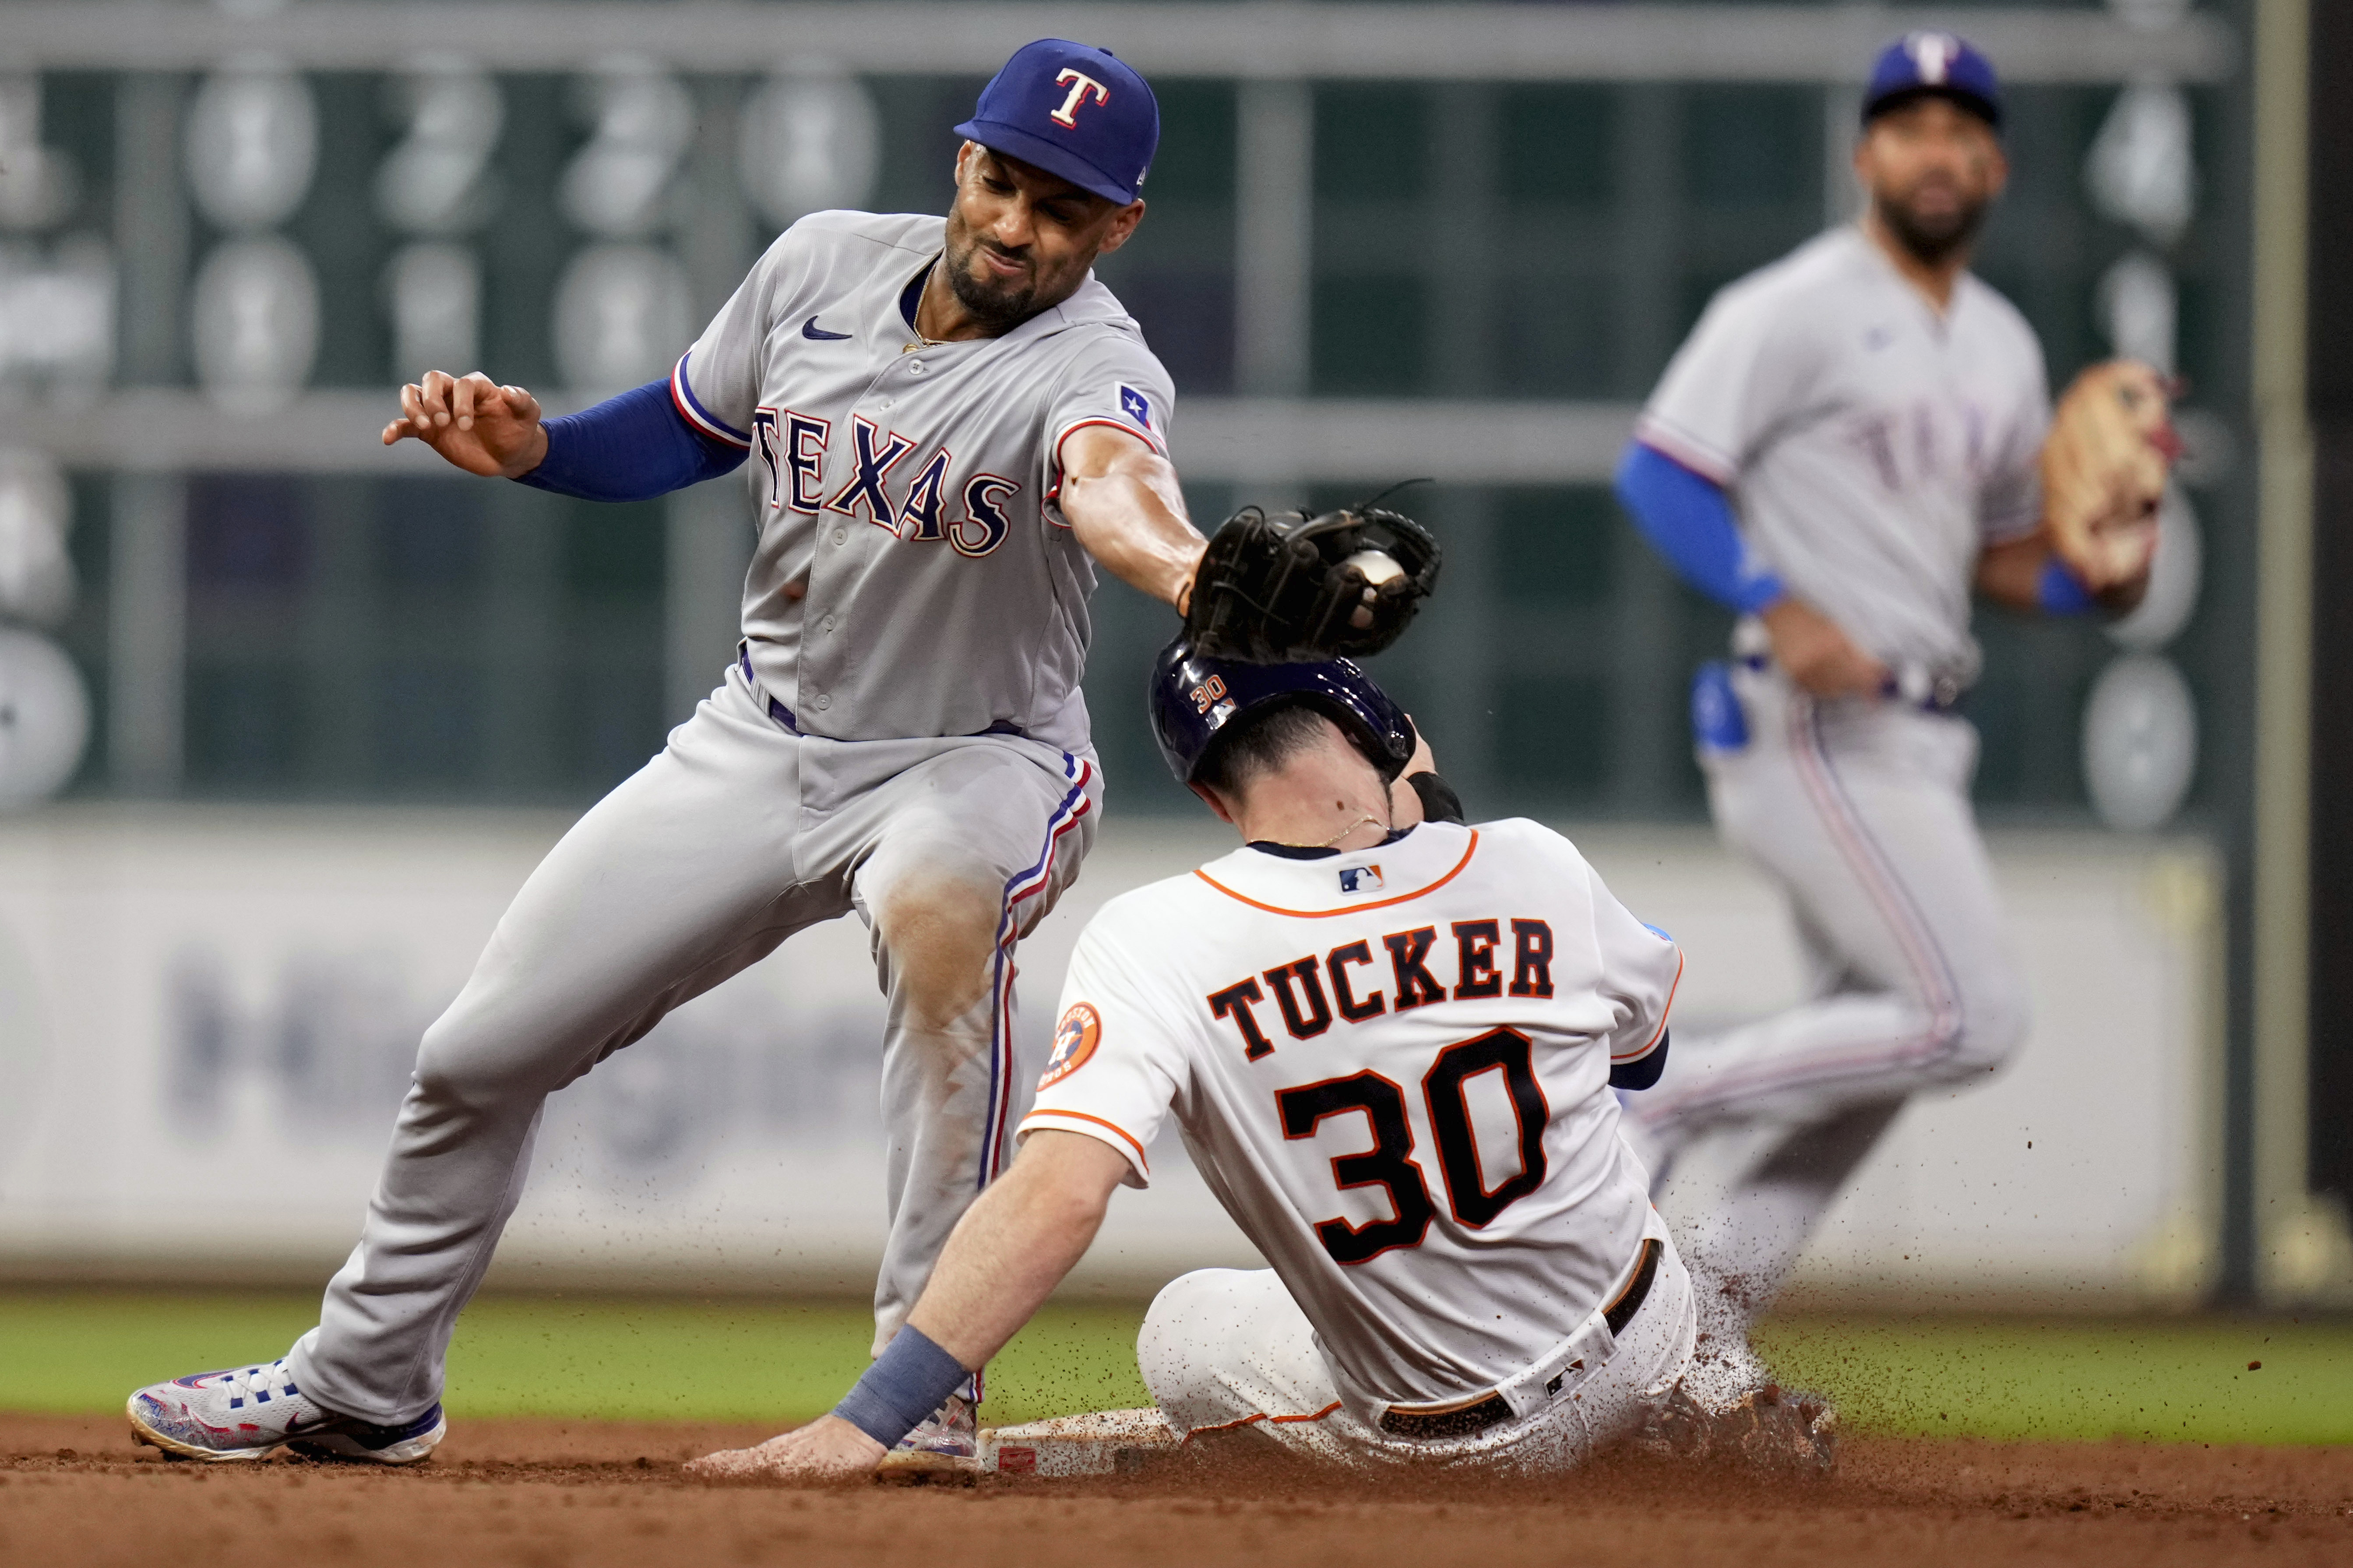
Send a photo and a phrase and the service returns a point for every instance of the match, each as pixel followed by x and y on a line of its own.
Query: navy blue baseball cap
pixel 1071 111
pixel 1195 699
pixel 1933 63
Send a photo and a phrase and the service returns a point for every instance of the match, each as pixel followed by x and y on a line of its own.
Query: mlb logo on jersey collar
pixel 1361 879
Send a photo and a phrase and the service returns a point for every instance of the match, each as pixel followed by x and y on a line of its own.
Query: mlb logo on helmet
pixel 1933 63
pixel 1071 111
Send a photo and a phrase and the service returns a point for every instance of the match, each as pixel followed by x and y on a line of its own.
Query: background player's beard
pixel 1931 238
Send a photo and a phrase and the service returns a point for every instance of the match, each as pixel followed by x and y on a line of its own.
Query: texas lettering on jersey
pixel 792 447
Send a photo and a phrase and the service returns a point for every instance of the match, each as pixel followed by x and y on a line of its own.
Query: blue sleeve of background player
pixel 631 448
pixel 1687 520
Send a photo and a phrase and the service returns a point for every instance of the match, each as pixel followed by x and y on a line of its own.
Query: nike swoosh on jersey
pixel 810 329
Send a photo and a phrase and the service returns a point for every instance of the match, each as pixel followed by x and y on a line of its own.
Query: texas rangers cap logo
pixel 1075 1038
pixel 1933 54
pixel 1136 406
pixel 1361 879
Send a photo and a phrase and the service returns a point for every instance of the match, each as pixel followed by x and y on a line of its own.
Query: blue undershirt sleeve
pixel 2061 592
pixel 1687 520
pixel 1643 1070
pixel 634 446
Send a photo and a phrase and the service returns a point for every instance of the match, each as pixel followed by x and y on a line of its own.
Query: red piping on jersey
pixel 1354 908
pixel 1262 1416
pixel 1685 452
pixel 1082 1115
pixel 682 396
pixel 1151 441
pixel 1661 1029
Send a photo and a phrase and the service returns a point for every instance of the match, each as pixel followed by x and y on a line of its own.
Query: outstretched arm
pixel 634 446
pixel 1004 1259
pixel 1123 500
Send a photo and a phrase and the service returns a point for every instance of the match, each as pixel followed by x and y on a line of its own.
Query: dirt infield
pixel 551 1494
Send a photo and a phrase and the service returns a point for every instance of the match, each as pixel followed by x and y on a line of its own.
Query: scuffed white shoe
pixel 250 1413
pixel 946 1444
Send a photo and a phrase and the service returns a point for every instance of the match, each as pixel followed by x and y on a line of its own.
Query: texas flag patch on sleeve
pixel 1137 406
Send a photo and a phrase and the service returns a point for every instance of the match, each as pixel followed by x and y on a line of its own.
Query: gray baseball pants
pixel 1860 811
pixel 739 833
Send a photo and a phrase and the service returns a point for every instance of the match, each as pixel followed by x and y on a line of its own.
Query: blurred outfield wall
pixel 207 1017
pixel 1452 239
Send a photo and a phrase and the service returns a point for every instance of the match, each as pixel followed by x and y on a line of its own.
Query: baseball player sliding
pixel 1850 440
pixel 1388 1040
pixel 953 423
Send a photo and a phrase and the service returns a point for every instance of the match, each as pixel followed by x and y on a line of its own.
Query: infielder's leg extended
pixel 956 859
pixel 685 874
pixel 690 871
pixel 1861 812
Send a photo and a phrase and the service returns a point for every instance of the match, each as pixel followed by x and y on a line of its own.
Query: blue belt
pixel 776 711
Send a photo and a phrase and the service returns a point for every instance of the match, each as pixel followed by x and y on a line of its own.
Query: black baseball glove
pixel 1291 588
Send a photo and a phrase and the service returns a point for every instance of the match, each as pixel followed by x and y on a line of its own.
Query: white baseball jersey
pixel 1392 1067
pixel 909 487
pixel 1872 448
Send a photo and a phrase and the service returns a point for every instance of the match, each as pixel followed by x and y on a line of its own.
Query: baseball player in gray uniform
pixel 951 424
pixel 1846 444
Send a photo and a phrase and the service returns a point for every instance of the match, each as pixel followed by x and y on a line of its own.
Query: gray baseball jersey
pixel 1871 445
pixel 909 487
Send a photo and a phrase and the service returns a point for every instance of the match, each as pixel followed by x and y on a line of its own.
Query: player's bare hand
pixel 473 421
pixel 827 1449
pixel 1819 655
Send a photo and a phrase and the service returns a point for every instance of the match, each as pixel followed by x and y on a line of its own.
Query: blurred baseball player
pixel 953 423
pixel 1850 440
pixel 1388 1041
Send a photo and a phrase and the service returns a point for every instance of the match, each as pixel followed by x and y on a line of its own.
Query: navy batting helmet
pixel 1195 699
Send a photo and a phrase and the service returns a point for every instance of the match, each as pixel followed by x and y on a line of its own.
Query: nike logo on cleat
pixel 810 329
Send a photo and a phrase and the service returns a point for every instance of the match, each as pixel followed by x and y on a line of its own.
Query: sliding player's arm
pixel 1004 1259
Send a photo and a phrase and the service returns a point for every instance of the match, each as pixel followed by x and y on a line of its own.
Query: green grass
pixel 619 1357
pixel 2167 1379
pixel 2170 1379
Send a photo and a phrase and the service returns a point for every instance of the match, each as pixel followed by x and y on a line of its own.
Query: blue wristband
pixel 2061 592
pixel 911 1379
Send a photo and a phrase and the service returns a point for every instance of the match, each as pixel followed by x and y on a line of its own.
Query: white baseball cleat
pixel 945 1444
pixel 250 1413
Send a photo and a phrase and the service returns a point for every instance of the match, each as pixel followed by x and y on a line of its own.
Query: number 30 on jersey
pixel 1390 1164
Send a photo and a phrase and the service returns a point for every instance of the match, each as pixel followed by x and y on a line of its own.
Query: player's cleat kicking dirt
pixel 1773 1432
pixel 944 1447
pixel 250 1413
pixel 1100 1443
